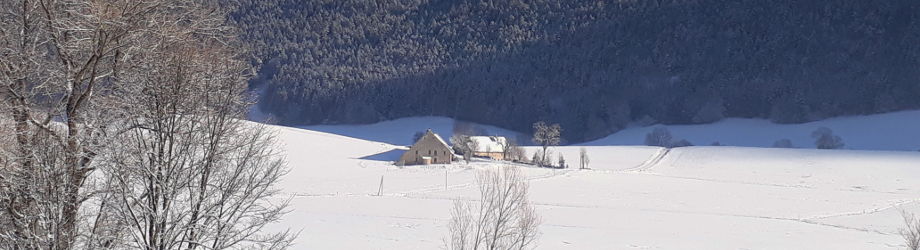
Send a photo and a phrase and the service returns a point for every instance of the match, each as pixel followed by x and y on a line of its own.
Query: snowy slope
pixel 633 197
pixel 400 131
pixel 891 131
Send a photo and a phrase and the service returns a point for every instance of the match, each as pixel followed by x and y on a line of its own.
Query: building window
pixel 435 153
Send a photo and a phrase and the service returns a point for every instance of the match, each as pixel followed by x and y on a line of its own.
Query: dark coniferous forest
pixel 593 66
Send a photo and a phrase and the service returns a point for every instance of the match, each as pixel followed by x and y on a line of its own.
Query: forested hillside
pixel 591 65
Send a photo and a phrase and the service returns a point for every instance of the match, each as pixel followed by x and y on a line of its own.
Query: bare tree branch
pixel 503 218
pixel 911 231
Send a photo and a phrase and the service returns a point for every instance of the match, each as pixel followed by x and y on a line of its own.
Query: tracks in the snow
pixel 866 211
pixel 811 221
pixel 651 162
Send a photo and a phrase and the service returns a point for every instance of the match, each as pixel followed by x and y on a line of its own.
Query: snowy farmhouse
pixel 429 149
pixel 489 146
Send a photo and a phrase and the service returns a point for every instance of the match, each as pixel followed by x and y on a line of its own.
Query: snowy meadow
pixel 346 194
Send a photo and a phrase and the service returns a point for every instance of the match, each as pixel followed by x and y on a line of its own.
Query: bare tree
pixel 60 60
pixel 537 158
pixel 471 147
pixel 510 149
pixel 548 159
pixel 911 230
pixel 31 194
pixel 6 139
pixel 55 55
pixel 81 81
pixel 519 153
pixel 464 145
pixel 189 172
pixel 583 157
pixel 504 218
pixel 562 161
pixel 546 136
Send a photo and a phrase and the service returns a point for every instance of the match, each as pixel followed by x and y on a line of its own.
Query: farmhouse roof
pixel 436 136
pixel 489 144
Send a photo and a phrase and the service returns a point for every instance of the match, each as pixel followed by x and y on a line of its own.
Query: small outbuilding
pixel 429 149
pixel 489 146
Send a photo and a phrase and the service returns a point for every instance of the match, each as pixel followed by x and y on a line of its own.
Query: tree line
pixel 592 66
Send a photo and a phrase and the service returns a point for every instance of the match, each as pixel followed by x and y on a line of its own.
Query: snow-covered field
pixel 633 197
pixel 891 131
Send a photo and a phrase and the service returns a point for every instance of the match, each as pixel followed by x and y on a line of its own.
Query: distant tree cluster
pixel 592 66
pixel 661 137
pixel 825 139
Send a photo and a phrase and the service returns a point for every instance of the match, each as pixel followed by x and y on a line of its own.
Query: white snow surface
pixel 400 131
pixel 632 197
pixel 890 131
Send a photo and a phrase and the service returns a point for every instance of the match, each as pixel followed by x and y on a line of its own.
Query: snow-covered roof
pixel 436 136
pixel 491 144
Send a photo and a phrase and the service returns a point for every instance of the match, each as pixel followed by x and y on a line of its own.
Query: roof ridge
pixel 436 136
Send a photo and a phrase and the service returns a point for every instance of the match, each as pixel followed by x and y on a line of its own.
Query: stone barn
pixel 429 149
